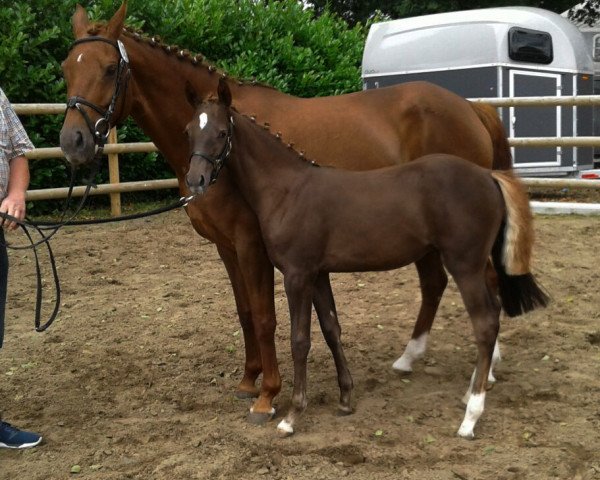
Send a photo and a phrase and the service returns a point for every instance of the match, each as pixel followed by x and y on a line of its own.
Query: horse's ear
pixel 191 95
pixel 80 22
pixel 115 25
pixel 224 92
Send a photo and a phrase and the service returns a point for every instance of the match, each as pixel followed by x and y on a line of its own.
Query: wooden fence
pixel 112 150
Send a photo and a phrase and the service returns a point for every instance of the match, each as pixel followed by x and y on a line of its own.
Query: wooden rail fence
pixel 113 149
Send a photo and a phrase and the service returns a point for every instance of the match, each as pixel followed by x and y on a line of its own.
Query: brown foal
pixel 320 220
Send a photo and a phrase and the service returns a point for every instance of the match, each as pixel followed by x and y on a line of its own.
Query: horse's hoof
pixel 244 395
pixel 466 435
pixel 260 418
pixel 344 411
pixel 284 429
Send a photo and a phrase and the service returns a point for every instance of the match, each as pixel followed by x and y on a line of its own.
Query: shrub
pixel 277 42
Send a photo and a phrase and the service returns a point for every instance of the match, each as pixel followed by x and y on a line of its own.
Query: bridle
pixel 218 161
pixel 101 128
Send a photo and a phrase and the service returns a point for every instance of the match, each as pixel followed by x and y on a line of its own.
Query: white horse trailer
pixel 496 52
pixel 591 37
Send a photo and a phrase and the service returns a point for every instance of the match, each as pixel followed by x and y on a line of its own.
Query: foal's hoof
pixel 243 394
pixel 284 429
pixel 260 418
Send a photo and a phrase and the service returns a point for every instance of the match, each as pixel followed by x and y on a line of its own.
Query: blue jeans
pixel 3 282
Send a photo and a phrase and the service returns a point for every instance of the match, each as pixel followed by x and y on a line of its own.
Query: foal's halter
pixel 218 161
pixel 101 129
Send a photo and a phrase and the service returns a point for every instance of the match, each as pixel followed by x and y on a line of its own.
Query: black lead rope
pixel 42 226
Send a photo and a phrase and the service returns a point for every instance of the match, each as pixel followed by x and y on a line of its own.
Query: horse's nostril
pixel 201 183
pixel 78 139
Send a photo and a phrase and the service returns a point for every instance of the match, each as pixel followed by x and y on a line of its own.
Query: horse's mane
pixel 182 54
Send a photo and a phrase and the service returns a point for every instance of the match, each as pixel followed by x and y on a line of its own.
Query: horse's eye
pixel 111 70
pixel 222 133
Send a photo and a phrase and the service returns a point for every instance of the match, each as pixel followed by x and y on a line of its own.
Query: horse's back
pixel 380 127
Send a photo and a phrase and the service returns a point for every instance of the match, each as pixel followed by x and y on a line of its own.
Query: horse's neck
pixel 160 107
pixel 265 170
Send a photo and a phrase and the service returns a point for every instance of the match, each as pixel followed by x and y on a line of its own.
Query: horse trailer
pixel 496 53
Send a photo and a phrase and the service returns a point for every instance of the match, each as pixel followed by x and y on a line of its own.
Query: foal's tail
pixel 492 123
pixel 511 254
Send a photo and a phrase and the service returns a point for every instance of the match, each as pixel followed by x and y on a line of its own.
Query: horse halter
pixel 218 161
pixel 101 129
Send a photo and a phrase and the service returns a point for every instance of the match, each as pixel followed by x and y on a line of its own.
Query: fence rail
pixel 113 150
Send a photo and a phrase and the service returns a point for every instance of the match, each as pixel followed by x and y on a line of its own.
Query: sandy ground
pixel 136 377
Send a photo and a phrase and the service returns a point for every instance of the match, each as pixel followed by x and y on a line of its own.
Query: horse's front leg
pixel 299 289
pixel 258 275
pixel 253 364
pixel 325 307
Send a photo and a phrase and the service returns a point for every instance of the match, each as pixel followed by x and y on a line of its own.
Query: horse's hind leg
pixel 484 310
pixel 325 306
pixel 433 281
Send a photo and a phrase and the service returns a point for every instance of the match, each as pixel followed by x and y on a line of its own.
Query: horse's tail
pixel 511 254
pixel 492 123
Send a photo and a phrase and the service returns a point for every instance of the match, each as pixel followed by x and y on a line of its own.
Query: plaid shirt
pixel 13 141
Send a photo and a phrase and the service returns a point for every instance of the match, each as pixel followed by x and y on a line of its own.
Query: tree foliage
pixel 586 13
pixel 360 11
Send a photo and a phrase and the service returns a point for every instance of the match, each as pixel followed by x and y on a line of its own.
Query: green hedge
pixel 276 42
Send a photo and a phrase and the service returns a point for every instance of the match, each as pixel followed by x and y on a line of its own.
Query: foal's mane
pixel 277 136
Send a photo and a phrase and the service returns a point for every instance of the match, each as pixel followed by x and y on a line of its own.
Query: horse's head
pixel 96 72
pixel 210 135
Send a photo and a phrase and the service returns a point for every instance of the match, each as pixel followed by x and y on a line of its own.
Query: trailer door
pixel 535 121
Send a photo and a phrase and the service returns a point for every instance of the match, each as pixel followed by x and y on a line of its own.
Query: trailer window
pixel 526 45
pixel 596 55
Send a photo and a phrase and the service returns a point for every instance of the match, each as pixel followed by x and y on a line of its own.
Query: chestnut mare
pixel 139 76
pixel 375 220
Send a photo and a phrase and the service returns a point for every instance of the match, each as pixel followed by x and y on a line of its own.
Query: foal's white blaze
pixel 472 414
pixel 285 427
pixel 203 120
pixel 414 351
pixel 80 58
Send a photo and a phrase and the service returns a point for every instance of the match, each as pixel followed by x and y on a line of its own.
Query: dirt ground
pixel 136 377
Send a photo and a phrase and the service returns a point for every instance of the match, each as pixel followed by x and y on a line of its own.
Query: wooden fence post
pixel 113 175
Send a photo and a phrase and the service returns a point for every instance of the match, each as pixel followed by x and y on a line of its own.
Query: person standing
pixel 14 180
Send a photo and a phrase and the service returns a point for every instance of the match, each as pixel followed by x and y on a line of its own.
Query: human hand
pixel 13 205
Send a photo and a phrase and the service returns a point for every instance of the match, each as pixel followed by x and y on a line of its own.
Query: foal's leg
pixel 484 310
pixel 330 326
pixel 433 281
pixel 299 289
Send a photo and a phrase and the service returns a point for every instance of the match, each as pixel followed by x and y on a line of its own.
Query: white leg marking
pixel 496 357
pixel 467 395
pixel 271 412
pixel 472 414
pixel 414 351
pixel 285 427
